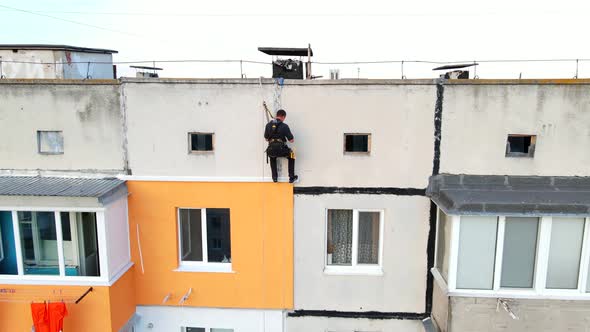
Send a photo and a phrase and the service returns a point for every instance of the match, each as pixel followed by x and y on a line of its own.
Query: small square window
pixel 50 142
pixel 521 146
pixel 357 143
pixel 200 142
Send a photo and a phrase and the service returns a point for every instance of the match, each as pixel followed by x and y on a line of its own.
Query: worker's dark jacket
pixel 277 133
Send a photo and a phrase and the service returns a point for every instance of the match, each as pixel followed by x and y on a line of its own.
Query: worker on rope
pixel 277 133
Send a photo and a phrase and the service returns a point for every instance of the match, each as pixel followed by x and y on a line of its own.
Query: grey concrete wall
pixel 31 64
pixel 323 324
pixel 401 288
pixel 399 117
pixel 479 315
pixel 88 114
pixel 478 118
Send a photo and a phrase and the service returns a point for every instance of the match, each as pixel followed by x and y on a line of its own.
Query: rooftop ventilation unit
pixel 290 68
pixel 334 74
pixel 146 72
pixel 456 74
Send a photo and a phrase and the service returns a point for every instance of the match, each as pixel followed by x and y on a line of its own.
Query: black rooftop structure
pixel 456 66
pixel 49 47
pixel 285 51
pixel 510 195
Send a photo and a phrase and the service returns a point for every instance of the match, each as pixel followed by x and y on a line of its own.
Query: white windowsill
pixel 53 280
pixel 552 294
pixel 353 270
pixel 206 267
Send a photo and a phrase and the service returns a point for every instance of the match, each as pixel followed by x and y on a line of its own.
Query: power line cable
pixel 71 21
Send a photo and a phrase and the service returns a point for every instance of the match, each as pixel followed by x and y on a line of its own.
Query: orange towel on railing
pixel 57 312
pixel 40 317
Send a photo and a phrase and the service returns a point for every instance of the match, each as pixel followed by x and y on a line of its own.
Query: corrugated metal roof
pixel 54 186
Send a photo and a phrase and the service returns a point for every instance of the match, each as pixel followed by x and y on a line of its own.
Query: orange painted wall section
pixel 122 300
pixel 90 315
pixel 261 223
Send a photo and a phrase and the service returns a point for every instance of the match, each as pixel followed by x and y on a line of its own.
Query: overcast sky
pixel 369 30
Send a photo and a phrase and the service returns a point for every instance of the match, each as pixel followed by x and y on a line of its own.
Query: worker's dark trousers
pixel 273 168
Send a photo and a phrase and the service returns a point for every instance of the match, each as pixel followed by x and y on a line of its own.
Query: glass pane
pixel 368 241
pixel 50 142
pixel 194 329
pixel 477 252
pixel 222 330
pixel 81 245
pixel 357 143
pixel 39 242
pixel 191 235
pixel 201 142
pixel 7 246
pixel 520 248
pixel 565 251
pixel 339 249
pixel 218 236
pixel 443 243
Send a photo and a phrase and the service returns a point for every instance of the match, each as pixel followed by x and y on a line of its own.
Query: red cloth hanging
pixel 57 312
pixel 40 317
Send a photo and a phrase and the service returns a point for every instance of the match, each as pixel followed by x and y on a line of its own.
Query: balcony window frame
pixel 204 265
pixel 355 268
pixel 539 288
pixel 32 279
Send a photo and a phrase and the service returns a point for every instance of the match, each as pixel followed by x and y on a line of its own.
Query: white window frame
pixel 355 268
pixel 539 289
pixel 27 279
pixel 205 265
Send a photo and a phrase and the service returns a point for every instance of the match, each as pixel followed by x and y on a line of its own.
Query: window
pixel 444 242
pixel 204 237
pixel 354 241
pixel 41 246
pixel 50 142
pixel 519 253
pixel 521 146
pixel 477 252
pixel 8 265
pixel 357 143
pixel 200 142
pixel 504 256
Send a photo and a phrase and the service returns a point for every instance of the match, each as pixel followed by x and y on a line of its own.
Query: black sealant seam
pixel 359 190
pixel 359 314
pixel 430 248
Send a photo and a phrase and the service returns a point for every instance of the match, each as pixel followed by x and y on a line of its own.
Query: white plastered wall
pixel 88 115
pixel 401 288
pixel 172 319
pixel 399 117
pixel 324 324
pixel 117 231
pixel 478 118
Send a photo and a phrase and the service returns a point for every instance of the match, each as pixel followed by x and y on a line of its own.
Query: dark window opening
pixel 356 143
pixel 200 142
pixel 520 146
